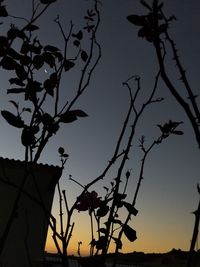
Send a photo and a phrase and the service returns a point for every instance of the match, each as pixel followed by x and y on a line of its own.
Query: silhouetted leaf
pixel 147 33
pixel 102 230
pixel 24 48
pixel 3 45
pixel 88 18
pixel 21 73
pixel 76 43
pixel 49 59
pixel 78 35
pixel 8 63
pixel 72 115
pixel 16 90
pixel 32 27
pixel 118 199
pixel 169 128
pixel 129 233
pixel 47 119
pixel 89 28
pixel 79 113
pixel 68 64
pixel 50 84
pixel 53 128
pixel 35 128
pixel 131 209
pixel 178 132
pixel 137 20
pixel 38 61
pixel 25 60
pixel 58 55
pixel 49 124
pixel 118 242
pixel 101 243
pixel 103 210
pixel 68 117
pixel 51 48
pixel 14 32
pixel 13 120
pixel 3 11
pixel 49 87
pixel 2 51
pixel 28 136
pixel 84 56
pixel 61 150
pixel 16 81
pixel 3 41
pixel 14 54
pixel 33 87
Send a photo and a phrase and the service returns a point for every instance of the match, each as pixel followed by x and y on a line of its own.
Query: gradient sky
pixel 168 194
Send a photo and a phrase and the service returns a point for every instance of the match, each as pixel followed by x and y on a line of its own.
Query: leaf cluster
pixel 24 56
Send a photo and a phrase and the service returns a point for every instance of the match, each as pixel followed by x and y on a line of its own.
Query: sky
pixel 168 194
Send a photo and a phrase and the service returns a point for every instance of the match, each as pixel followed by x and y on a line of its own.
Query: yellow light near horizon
pixel 159 237
pixel 147 242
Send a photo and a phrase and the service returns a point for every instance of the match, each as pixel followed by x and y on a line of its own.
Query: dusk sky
pixel 168 193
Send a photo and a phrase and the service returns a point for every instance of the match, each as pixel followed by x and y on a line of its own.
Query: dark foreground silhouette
pixel 173 258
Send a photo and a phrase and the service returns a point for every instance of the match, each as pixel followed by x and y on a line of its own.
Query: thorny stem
pixel 141 177
pixel 60 71
pixel 184 79
pixel 70 233
pixel 191 96
pixel 69 227
pixel 193 118
pixel 127 150
pixel 65 200
pixel 168 82
pixel 33 19
pixel 92 233
pixel 137 116
pixel 61 210
pixel 82 86
pixel 112 161
pixel 194 236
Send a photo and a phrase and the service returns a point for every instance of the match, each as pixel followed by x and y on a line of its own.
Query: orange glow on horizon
pixel 155 234
pixel 145 244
